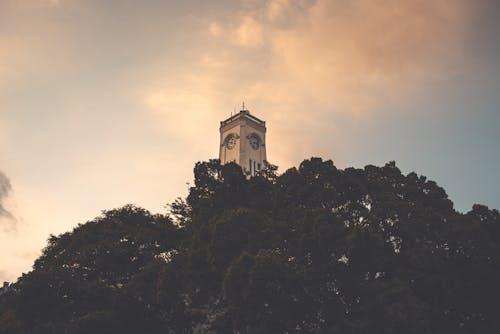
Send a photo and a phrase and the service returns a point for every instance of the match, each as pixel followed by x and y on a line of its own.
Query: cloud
pixel 5 189
pixel 300 63
pixel 354 55
pixel 249 33
pixel 8 222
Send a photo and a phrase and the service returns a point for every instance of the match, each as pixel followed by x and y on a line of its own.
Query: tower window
pixel 250 163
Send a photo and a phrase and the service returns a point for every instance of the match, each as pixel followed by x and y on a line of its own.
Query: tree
pixel 313 250
pixel 81 281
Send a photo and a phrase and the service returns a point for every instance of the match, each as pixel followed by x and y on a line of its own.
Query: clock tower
pixel 243 140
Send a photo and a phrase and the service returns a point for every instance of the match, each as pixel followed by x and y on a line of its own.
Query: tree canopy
pixel 313 250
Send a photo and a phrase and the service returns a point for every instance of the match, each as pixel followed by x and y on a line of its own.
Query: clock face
pixel 254 141
pixel 230 141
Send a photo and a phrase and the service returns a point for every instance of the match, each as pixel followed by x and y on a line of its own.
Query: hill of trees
pixel 313 250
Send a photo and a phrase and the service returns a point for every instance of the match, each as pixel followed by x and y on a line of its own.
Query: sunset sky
pixel 109 102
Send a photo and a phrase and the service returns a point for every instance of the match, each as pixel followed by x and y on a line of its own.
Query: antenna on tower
pixel 243 106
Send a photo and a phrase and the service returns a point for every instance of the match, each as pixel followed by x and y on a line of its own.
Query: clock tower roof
pixel 243 114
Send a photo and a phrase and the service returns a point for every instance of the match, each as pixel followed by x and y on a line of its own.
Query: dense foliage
pixel 314 250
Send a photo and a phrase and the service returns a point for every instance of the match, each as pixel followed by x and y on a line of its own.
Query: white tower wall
pixel 243 140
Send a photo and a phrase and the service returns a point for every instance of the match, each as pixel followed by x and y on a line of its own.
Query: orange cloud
pixel 249 33
pixel 356 54
pixel 314 58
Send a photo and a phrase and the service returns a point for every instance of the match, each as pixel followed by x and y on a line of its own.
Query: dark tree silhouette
pixel 313 250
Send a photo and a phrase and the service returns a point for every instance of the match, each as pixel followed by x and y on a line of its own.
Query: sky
pixel 105 103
